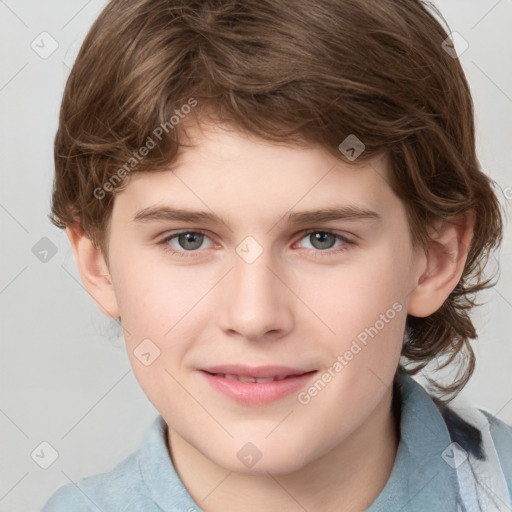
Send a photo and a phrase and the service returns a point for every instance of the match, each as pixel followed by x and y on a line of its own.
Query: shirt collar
pixel 421 479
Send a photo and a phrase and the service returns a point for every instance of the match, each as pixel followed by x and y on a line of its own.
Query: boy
pixel 318 214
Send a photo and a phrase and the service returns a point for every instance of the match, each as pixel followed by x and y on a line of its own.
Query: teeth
pixel 244 378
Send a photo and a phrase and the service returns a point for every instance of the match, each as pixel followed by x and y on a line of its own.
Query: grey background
pixel 64 376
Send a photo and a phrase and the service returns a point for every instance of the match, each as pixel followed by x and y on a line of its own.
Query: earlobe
pixel 93 270
pixel 444 264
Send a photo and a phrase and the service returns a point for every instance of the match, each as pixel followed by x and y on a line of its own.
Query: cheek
pixel 154 298
pixel 163 311
pixel 365 309
pixel 354 297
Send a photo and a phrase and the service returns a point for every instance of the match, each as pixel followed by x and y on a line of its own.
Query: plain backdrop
pixel 64 376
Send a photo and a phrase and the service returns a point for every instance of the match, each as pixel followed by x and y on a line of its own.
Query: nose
pixel 256 303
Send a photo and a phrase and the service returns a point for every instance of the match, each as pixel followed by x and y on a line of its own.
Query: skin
pixel 298 304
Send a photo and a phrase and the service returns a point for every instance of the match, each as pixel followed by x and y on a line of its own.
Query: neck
pixel 347 479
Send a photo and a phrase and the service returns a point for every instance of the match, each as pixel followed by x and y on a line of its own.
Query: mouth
pixel 257 385
pixel 248 378
pixel 269 372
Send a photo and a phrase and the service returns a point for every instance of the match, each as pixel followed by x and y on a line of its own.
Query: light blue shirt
pixel 430 474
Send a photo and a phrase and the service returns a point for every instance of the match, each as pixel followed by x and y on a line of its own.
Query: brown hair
pixel 289 71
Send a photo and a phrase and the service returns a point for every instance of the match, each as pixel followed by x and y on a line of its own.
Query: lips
pixel 256 386
pixel 247 378
pixel 255 374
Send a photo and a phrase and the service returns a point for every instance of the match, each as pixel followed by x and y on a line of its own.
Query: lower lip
pixel 257 393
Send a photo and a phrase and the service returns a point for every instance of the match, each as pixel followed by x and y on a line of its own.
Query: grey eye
pixel 190 241
pixel 322 240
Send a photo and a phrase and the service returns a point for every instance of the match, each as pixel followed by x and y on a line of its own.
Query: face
pixel 265 283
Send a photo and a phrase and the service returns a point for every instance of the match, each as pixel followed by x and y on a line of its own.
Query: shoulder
pixel 487 441
pixel 117 489
pixel 136 484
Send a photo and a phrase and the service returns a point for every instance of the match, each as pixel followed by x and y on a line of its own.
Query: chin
pixel 249 460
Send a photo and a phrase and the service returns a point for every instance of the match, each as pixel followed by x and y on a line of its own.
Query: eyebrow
pixel 165 213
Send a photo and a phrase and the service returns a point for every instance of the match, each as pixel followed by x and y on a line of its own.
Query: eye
pixel 190 241
pixel 321 241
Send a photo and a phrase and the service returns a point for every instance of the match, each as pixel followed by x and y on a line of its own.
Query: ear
pixel 443 264
pixel 93 270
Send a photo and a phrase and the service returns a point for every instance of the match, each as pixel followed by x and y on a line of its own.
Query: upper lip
pixel 259 372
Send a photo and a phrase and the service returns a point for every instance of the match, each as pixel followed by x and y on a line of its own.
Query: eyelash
pixel 189 254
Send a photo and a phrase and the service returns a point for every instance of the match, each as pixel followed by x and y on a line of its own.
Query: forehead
pixel 226 173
